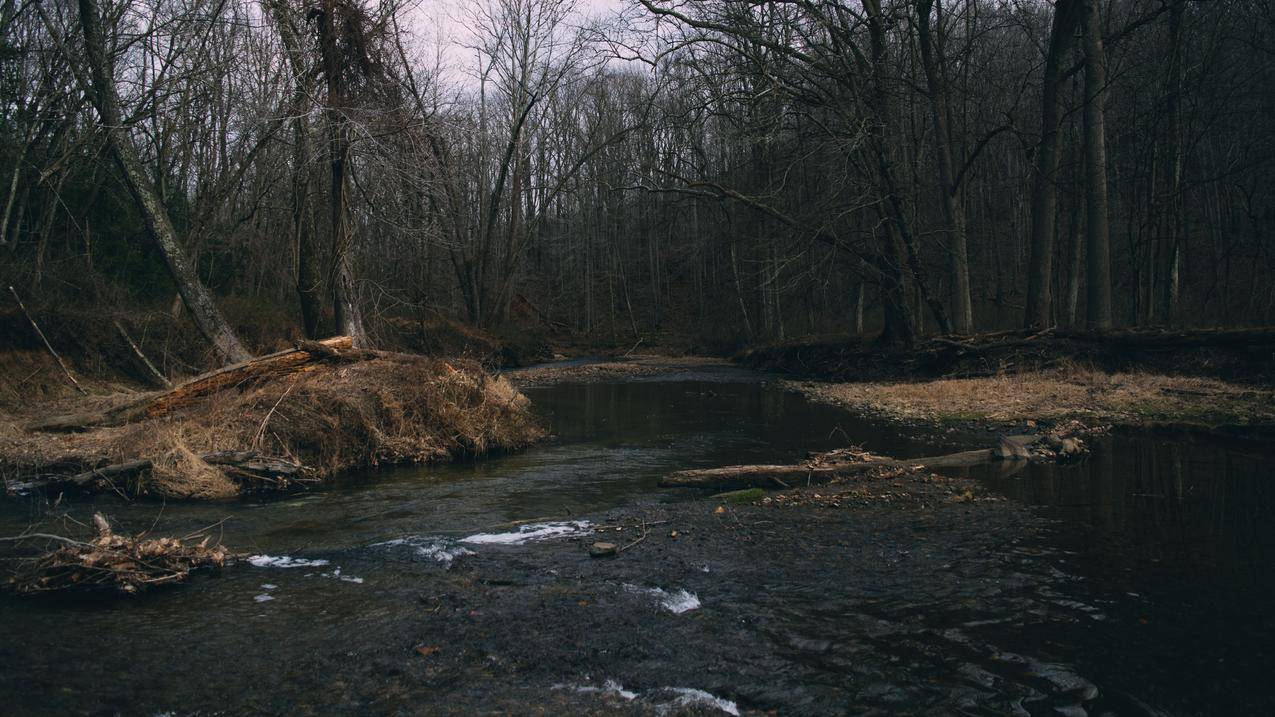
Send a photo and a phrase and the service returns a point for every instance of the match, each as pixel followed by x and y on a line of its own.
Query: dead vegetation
pixel 1089 395
pixel 237 429
pixel 900 487
pixel 109 561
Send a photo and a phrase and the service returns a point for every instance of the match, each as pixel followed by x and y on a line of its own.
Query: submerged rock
pixel 603 550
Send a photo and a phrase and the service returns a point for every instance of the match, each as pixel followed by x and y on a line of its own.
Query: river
pixel 1137 582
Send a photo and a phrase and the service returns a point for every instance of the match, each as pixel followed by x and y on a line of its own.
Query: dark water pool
pixel 1144 574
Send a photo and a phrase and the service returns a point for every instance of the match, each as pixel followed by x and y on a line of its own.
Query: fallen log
pixel 245 465
pixel 152 405
pixel 787 476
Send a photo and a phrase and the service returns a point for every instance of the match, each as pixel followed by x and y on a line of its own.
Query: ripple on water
pixel 284 561
pixel 444 551
pixel 662 699
pixel 532 533
pixel 677 602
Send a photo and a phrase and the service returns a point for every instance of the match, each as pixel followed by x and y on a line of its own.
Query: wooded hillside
pixel 729 170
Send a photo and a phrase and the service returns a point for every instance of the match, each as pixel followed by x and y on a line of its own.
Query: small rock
pixel 602 550
pixel 1071 447
pixel 1011 451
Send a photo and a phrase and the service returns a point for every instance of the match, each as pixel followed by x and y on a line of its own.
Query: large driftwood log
pixel 787 476
pixel 151 405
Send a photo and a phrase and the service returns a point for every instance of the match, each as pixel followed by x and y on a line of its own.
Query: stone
pixel 602 550
pixel 1011 451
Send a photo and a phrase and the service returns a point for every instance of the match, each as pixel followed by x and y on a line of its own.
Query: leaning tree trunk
pixel 1044 187
pixel 1097 226
pixel 194 295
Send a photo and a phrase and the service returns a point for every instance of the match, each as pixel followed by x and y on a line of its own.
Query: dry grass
pixel 1086 394
pixel 332 418
pixel 180 473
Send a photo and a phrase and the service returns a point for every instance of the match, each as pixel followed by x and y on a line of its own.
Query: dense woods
pixel 734 171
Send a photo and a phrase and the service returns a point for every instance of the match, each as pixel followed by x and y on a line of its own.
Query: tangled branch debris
pixel 109 561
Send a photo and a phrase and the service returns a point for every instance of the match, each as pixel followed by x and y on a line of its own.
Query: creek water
pixel 1137 582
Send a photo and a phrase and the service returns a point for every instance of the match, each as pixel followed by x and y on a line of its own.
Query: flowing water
pixel 1138 582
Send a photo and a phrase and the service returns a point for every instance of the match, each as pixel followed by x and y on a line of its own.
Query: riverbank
pixel 1219 382
pixel 278 421
pixel 1026 401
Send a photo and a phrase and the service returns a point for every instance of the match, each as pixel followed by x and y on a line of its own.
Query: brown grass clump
pixel 381 411
pixel 329 417
pixel 180 473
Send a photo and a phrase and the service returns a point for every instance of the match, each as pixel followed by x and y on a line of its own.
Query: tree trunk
pixel 900 231
pixel 856 308
pixel 345 306
pixel 953 209
pixel 194 295
pixel 1097 226
pixel 1044 187
pixel 1175 217
pixel 309 277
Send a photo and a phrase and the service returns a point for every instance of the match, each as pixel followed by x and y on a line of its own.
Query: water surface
pixel 1138 582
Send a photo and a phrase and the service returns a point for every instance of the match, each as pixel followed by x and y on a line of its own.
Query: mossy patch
pixel 748 495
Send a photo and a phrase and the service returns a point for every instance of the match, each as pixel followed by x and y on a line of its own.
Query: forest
pixel 717 173
pixel 637 357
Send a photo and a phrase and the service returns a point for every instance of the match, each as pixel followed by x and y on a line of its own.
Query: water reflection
pixel 1204 506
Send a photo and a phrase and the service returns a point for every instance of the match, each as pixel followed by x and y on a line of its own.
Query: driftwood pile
pixel 822 468
pixel 113 562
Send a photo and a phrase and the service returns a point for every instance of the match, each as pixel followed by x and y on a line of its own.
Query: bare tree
pixel 196 297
